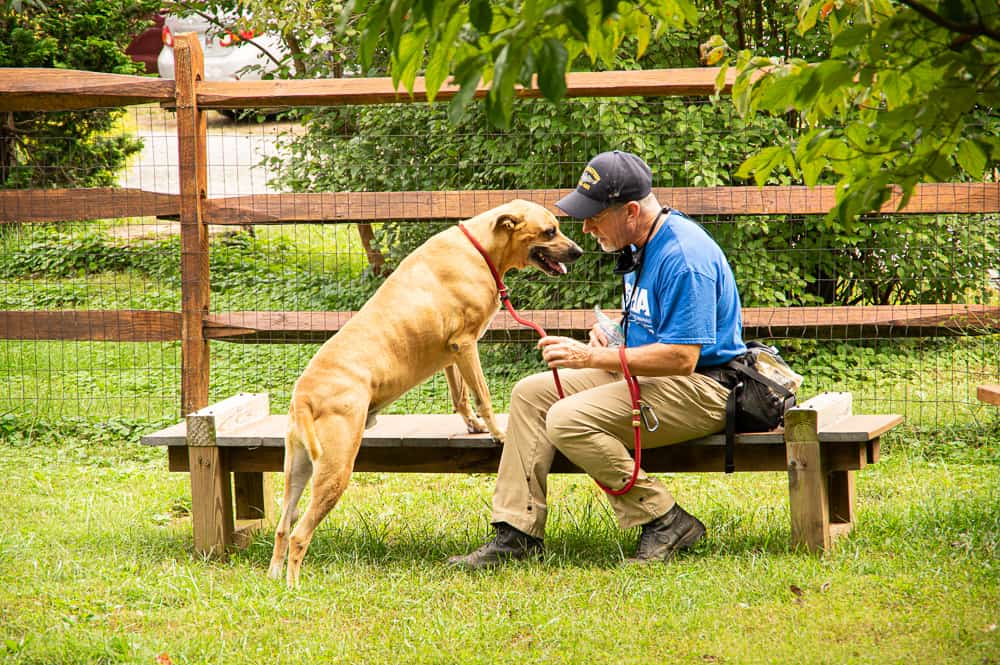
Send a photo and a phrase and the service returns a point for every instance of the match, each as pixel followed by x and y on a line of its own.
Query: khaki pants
pixel 592 427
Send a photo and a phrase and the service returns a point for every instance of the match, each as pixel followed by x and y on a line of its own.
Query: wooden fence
pixel 194 325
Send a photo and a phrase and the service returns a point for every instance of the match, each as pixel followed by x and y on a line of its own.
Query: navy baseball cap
pixel 611 177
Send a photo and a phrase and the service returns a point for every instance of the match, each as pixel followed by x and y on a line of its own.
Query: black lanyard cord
pixel 639 264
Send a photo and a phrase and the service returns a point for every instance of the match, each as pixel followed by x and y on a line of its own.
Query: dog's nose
pixel 575 252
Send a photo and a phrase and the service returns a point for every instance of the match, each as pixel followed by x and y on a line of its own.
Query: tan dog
pixel 427 316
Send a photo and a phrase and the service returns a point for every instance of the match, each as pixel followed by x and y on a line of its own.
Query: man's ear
pixel 508 221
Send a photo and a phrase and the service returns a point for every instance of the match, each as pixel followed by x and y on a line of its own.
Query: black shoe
pixel 664 536
pixel 508 545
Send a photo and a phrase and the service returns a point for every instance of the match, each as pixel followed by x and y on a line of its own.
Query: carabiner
pixel 649 416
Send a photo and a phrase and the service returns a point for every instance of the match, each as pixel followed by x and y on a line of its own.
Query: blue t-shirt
pixel 686 295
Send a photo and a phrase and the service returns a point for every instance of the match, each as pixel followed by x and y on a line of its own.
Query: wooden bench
pixel 229 447
pixel 990 394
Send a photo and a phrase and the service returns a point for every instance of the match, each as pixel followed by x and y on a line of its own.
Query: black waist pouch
pixel 757 403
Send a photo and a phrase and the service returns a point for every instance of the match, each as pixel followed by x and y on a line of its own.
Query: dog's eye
pixel 550 233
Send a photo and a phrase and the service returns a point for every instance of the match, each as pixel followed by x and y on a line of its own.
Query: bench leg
pixel 211 500
pixel 842 500
pixel 254 495
pixel 808 484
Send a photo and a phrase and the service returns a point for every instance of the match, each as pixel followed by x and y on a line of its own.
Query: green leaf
pixel 411 52
pixel 971 158
pixel 437 66
pixel 762 164
pixel 467 76
pixel 577 21
pixel 808 13
pixel 372 33
pixel 481 15
pixel 852 36
pixel 552 59
pixel 643 31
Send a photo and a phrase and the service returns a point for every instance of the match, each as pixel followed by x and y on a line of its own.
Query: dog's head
pixel 535 238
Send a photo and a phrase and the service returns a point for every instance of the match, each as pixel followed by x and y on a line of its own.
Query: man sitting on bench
pixel 681 319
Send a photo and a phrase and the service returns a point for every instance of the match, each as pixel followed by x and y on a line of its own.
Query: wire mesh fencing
pixel 916 357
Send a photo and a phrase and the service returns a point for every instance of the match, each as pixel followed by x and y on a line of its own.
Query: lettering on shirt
pixel 640 305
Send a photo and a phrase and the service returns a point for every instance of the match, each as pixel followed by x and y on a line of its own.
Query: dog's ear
pixel 508 221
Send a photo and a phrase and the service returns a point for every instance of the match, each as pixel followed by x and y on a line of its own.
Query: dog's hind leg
pixel 341 437
pixel 298 470
pixel 460 400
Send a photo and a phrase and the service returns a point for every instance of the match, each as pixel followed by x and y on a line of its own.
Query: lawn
pixel 96 557
pixel 97 566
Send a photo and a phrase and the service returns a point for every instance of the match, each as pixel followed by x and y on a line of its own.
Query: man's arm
pixel 647 360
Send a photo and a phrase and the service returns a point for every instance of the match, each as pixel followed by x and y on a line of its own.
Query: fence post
pixel 211 488
pixel 193 177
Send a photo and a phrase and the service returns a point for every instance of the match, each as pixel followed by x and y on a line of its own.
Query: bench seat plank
pixel 989 394
pixel 448 431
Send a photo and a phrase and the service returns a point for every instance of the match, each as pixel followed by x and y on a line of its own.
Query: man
pixel 682 318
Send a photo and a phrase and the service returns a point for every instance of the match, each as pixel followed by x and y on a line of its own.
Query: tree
pixel 67 148
pixel 907 93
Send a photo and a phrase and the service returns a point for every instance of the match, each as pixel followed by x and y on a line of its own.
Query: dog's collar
pixel 501 287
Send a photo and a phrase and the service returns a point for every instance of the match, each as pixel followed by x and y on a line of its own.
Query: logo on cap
pixel 589 177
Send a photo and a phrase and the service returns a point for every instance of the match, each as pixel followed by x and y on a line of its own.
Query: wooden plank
pixel 326 207
pixel 830 408
pixel 807 482
pixel 860 428
pixel 193 175
pixel 845 322
pixel 66 205
pixel 989 394
pixel 682 458
pixel 448 431
pixel 105 326
pixel 890 321
pixel 40 89
pixel 56 205
pixel 361 91
pixel 236 412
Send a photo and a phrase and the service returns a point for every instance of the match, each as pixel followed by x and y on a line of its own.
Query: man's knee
pixel 528 390
pixel 563 423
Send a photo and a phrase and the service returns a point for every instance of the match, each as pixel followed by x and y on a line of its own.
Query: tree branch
pixel 971 29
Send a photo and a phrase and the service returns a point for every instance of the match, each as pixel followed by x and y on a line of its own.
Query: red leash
pixel 633 385
pixel 505 299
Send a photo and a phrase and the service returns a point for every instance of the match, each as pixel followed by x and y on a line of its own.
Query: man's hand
pixel 566 352
pixel 597 337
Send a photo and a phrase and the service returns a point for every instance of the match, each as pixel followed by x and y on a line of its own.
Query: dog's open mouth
pixel 547 263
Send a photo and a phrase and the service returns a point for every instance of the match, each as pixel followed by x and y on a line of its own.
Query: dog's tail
pixel 303 428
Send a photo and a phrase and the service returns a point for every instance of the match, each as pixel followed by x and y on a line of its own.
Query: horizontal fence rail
pixel 39 89
pixel 58 90
pixel 288 327
pixel 52 205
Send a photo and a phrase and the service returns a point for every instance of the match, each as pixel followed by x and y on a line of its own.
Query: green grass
pixel 96 559
pixel 96 566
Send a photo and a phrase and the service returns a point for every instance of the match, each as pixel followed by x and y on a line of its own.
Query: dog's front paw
pixel 500 436
pixel 476 425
